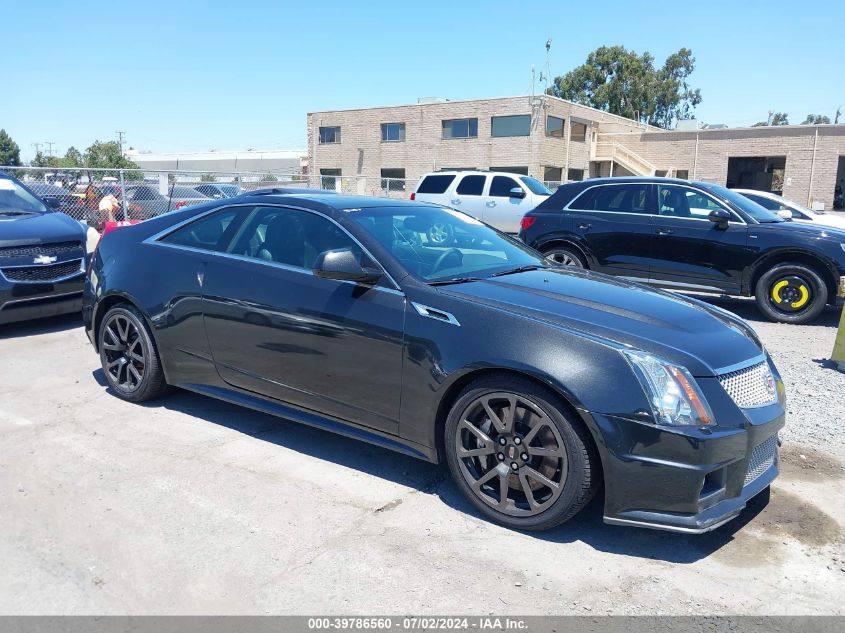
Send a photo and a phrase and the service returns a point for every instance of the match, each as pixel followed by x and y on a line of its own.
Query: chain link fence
pixel 97 196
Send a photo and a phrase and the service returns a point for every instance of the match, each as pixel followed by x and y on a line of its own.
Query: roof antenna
pixel 548 70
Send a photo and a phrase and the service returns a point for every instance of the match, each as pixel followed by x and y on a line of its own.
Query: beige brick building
pixel 554 140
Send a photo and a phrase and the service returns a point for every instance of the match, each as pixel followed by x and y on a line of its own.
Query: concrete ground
pixel 193 506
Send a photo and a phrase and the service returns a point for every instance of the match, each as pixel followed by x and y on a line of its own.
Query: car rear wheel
pixel 564 256
pixel 791 293
pixel 516 454
pixel 129 357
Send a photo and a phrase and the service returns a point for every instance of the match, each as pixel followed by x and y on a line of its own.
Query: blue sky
pixel 181 76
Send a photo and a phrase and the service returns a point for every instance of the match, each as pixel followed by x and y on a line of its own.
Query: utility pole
pixel 769 120
pixel 120 136
pixel 37 147
pixel 838 112
pixel 49 145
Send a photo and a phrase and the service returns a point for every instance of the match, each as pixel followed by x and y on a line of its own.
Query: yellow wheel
pixel 791 293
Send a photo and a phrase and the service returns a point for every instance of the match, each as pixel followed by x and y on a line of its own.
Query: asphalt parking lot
pixel 193 506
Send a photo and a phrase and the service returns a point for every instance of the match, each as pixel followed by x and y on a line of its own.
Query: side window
pixel 435 184
pixel 211 233
pixel 471 185
pixel 700 205
pixel 616 198
pixel 501 187
pixel 289 236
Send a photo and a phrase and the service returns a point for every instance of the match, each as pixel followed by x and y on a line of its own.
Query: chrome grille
pixel 762 458
pixel 36 274
pixel 751 387
pixel 34 250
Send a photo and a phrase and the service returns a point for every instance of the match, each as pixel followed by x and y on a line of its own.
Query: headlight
pixel 92 238
pixel 674 397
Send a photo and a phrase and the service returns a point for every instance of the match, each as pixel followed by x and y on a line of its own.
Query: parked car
pixel 43 254
pixel 59 198
pixel 691 236
pixel 497 198
pixel 792 210
pixel 145 201
pixel 264 191
pixel 535 383
pixel 218 190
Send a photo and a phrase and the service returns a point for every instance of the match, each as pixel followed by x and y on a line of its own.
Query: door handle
pixel 455 201
pixel 664 231
pixel 491 203
pixel 584 226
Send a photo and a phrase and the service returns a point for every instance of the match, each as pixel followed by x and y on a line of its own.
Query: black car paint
pixel 364 362
pixel 21 301
pixel 681 252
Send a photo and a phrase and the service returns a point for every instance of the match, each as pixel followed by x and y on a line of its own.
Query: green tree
pixel 626 83
pixel 777 118
pixel 72 158
pixel 269 178
pixel 816 119
pixel 107 155
pixel 42 160
pixel 10 153
pixel 208 178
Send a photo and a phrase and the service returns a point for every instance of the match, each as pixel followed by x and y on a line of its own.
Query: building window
pixel 330 179
pixel 516 125
pixel 552 174
pixel 661 173
pixel 575 174
pixel 683 174
pixel 578 131
pixel 460 128
pixel 329 135
pixel 519 169
pixel 554 126
pixel 393 179
pixel 392 132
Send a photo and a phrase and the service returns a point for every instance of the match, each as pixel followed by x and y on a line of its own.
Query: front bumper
pixel 26 301
pixel 689 481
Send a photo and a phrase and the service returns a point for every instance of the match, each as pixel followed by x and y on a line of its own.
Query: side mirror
pixel 342 264
pixel 517 192
pixel 720 217
pixel 53 203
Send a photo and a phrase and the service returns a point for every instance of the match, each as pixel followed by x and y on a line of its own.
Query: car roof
pixel 335 202
pixel 454 172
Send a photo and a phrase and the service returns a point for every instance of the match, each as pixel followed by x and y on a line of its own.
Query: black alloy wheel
pixel 128 355
pixel 517 457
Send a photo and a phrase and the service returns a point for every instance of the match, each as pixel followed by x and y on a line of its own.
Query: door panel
pixel 615 223
pixel 276 329
pixel 468 195
pixel 501 210
pixel 690 249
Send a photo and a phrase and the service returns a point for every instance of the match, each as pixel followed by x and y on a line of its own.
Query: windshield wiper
pixel 454 280
pixel 521 269
pixel 14 212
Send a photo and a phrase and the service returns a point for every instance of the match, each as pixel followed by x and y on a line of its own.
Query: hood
pixel 704 340
pixel 811 230
pixel 41 228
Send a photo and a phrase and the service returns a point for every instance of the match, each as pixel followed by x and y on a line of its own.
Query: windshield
pixel 14 198
pixel 756 211
pixel 535 186
pixel 438 244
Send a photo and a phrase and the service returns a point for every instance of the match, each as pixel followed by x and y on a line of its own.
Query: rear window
pixel 435 184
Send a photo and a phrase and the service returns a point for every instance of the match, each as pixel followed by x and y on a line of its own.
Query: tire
pixel 569 460
pixel 129 356
pixel 565 256
pixel 791 293
pixel 440 234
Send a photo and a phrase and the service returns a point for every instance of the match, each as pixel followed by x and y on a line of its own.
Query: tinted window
pixel 460 128
pixel 501 186
pixel 435 184
pixel 618 198
pixel 759 213
pixel 185 192
pixel 289 236
pixel 554 126
pixel 391 132
pixel 771 205
pixel 575 174
pixel 517 125
pixel 471 185
pixel 330 135
pixel 536 186
pixel 211 233
pixel 13 197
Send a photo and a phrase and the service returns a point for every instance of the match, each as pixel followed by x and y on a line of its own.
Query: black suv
pixel 43 255
pixel 691 236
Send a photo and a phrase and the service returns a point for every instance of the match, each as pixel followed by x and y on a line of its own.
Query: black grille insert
pixel 43 273
pixel 34 250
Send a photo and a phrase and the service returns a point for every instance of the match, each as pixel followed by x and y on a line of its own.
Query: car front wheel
pixel 129 356
pixel 791 293
pixel 514 451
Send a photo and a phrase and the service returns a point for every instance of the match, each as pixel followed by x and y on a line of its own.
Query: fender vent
pixel 434 313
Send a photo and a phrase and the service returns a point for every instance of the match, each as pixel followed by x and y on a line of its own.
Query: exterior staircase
pixel 621 155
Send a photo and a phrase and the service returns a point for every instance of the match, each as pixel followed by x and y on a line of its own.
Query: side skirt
pixel 311 418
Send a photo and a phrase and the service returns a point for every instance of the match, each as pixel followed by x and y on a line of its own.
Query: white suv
pixel 497 198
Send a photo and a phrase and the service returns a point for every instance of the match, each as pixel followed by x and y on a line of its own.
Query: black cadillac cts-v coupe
pixel 536 384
